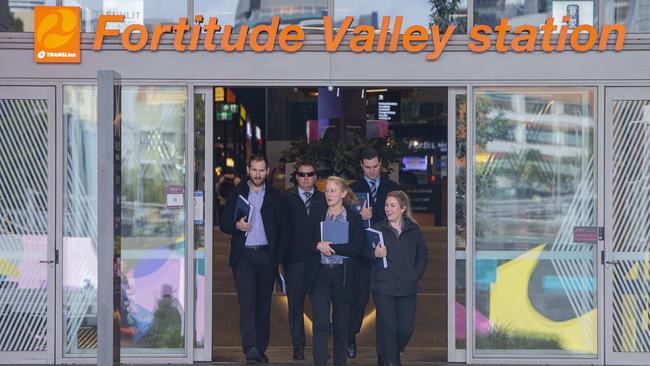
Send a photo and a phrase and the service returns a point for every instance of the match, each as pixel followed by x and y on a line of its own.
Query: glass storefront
pixel 490 12
pixel 18 16
pixel 79 249
pixel 535 287
pixel 153 219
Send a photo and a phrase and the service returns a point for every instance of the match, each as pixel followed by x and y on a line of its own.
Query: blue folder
pixel 242 208
pixel 364 201
pixel 335 232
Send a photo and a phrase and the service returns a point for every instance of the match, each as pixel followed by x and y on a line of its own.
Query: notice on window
pixel 175 196
pixel 198 208
pixel 133 11
pixel 585 234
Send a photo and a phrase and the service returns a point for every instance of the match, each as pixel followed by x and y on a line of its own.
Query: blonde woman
pixel 394 288
pixel 331 272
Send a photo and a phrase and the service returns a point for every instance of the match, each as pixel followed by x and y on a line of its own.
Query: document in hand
pixel 242 208
pixel 364 201
pixel 335 232
pixel 374 238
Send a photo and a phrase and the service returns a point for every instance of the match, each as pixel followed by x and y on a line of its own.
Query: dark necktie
pixel 307 200
pixel 373 190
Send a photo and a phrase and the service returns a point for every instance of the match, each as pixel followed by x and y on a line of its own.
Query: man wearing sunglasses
pixel 301 201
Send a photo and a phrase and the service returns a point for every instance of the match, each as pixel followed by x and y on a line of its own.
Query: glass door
pixel 532 229
pixel 627 255
pixel 203 196
pixel 457 225
pixel 27 214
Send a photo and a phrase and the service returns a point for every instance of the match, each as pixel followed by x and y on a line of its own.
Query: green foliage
pixel 15 24
pixel 504 338
pixel 334 157
pixel 442 12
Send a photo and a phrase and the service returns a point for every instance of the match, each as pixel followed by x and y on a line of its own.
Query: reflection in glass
pixel 535 288
pixel 199 226
pixel 24 225
pixel 634 14
pixel 535 12
pixel 305 13
pixel 18 16
pixel 80 220
pixel 414 12
pixel 153 219
pixel 461 223
pixel 147 12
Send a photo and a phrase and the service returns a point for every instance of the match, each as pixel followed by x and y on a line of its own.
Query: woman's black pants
pixel 397 314
pixel 326 291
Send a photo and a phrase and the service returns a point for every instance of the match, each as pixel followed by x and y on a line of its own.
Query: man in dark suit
pixel 377 188
pixel 302 202
pixel 256 247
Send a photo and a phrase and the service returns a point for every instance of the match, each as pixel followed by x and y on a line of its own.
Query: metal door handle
pixel 46 261
pixel 612 262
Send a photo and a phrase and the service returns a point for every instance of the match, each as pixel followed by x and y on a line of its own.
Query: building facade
pixel 546 204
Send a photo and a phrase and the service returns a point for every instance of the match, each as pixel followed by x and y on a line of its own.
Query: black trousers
pixel 254 280
pixel 358 306
pixel 397 314
pixel 294 274
pixel 324 293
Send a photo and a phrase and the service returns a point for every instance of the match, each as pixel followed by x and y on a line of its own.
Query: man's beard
pixel 261 181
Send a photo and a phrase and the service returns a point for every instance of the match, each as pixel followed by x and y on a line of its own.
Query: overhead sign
pixel 56 34
pixel 388 107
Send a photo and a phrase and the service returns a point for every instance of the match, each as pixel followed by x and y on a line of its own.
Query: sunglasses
pixel 307 174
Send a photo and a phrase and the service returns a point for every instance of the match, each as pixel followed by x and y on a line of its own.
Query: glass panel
pixel 461 222
pixel 18 15
pixel 535 12
pixel 634 14
pixel 79 250
pixel 23 225
pixel 199 222
pixel 631 209
pixel 147 12
pixel 535 288
pixel 305 13
pixel 153 219
pixel 415 12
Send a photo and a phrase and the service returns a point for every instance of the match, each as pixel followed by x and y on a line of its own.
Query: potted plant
pixel 334 157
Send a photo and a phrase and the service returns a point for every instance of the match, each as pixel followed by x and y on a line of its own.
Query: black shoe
pixel 262 358
pixel 299 352
pixel 352 347
pixel 252 355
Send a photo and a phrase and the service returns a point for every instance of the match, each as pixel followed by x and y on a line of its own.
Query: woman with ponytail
pixel 394 288
pixel 331 273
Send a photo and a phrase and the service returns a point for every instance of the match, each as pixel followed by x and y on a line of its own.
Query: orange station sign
pixel 56 34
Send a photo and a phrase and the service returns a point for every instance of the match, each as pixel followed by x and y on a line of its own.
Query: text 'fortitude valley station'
pixel 364 38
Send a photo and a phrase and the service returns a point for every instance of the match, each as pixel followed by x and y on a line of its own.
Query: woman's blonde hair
pixel 350 198
pixel 404 202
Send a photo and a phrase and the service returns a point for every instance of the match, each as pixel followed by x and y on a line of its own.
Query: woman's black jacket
pixel 353 250
pixel 407 257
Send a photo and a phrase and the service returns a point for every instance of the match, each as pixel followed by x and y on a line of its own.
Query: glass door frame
pixel 48 93
pixel 615 358
pixel 453 354
pixel 205 353
pixel 599 142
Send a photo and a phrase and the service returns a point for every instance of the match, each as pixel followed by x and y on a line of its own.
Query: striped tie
pixel 373 190
pixel 307 200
